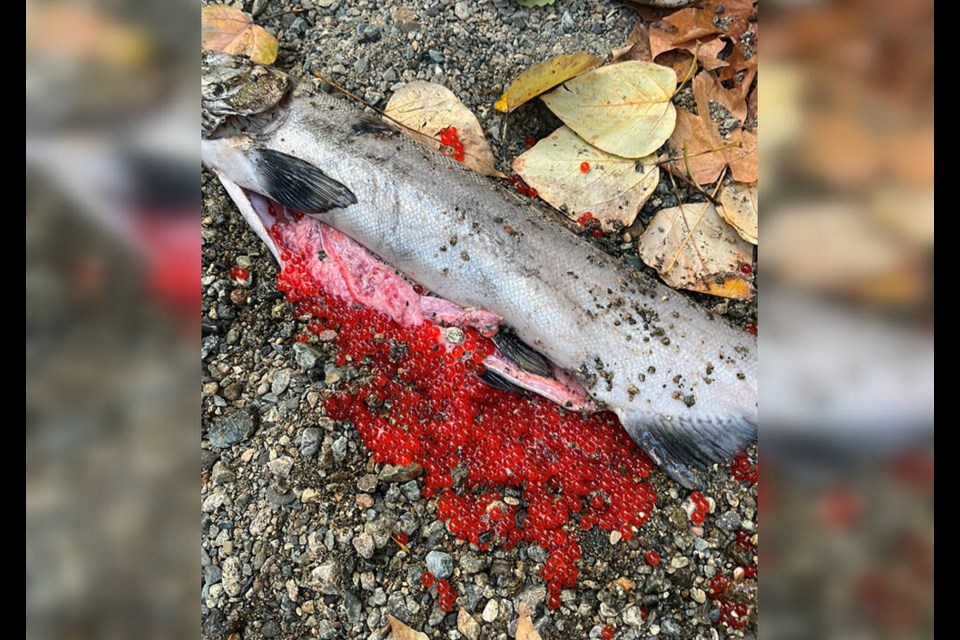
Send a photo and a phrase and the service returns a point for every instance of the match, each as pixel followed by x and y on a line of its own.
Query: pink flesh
pixel 352 273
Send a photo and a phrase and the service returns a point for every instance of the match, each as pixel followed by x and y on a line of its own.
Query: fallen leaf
pixel 739 208
pixel 681 29
pixel 543 77
pixel 424 108
pixel 228 30
pixel 624 109
pixel 637 46
pixel 696 142
pixel 401 631
pixel 525 628
pixel 693 248
pixel 612 189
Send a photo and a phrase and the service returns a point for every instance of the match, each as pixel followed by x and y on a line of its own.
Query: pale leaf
pixel 543 77
pixel 693 248
pixel 624 109
pixel 739 208
pixel 525 628
pixel 424 108
pixel 401 631
pixel 228 30
pixel 613 188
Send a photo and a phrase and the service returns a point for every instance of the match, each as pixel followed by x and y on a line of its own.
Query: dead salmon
pixel 413 234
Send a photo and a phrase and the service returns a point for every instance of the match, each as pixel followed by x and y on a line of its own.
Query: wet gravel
pixel 296 520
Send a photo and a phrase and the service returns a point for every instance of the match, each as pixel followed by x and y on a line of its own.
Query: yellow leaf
pixel 543 77
pixel 738 206
pixel 612 189
pixel 624 109
pixel 693 248
pixel 424 108
pixel 401 631
pixel 228 30
pixel 525 628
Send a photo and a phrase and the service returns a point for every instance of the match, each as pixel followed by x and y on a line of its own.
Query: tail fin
pixel 680 447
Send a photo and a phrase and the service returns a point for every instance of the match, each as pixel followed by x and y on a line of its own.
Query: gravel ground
pixel 296 519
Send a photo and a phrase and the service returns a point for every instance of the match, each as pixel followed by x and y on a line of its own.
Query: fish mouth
pixel 326 259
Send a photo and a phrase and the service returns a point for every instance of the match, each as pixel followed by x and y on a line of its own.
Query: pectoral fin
pixel 300 186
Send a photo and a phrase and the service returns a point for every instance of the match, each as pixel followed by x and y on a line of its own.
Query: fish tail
pixel 681 447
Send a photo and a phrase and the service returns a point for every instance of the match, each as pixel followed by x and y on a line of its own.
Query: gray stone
pixel 461 10
pixel 729 521
pixel 221 474
pixel 280 381
pixel 440 564
pixel 281 466
pixel 326 578
pixel 352 606
pixel 364 545
pixel 490 611
pixel 232 576
pixel 231 429
pixel 471 563
pixel 305 356
pixel 309 442
pixel 394 473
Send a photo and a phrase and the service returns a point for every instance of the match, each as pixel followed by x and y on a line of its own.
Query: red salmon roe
pixel 522 187
pixel 584 167
pixel 401 537
pixel 585 218
pixel 450 138
pixel 607 633
pixel 530 141
pixel 239 273
pixel 426 578
pixel 423 403
pixel 446 594
pixel 746 268
pixel 751 328
pixel 652 558
pixel 744 469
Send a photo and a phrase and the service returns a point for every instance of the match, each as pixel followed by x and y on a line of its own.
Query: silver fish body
pixel 682 380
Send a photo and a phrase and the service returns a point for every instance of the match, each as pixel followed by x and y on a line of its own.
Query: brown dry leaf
pixel 693 248
pixel 424 108
pixel 684 27
pixel 400 631
pixel 698 140
pixel 637 46
pixel 678 60
pixel 707 89
pixel 525 628
pixel 228 30
pixel 738 206
pixel 613 190
pixel 543 77
pixel 624 108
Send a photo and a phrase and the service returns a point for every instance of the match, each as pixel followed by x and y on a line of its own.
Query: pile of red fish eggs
pixel 423 403
pixel 522 187
pixel 732 613
pixel 592 224
pixel 450 138
pixel 744 469
pixel 700 507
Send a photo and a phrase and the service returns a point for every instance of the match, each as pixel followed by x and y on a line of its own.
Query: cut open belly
pixel 346 270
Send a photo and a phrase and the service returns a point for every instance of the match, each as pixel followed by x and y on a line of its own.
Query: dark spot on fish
pixel 465 256
pixel 665 340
